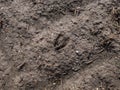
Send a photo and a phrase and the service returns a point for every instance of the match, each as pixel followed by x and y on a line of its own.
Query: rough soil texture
pixel 59 44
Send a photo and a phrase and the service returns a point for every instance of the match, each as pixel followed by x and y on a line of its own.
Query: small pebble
pixel 54 83
pixel 77 52
pixel 74 21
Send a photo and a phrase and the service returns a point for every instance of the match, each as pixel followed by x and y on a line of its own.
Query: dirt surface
pixel 59 44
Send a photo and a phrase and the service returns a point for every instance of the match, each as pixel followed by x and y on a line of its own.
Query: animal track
pixel 61 41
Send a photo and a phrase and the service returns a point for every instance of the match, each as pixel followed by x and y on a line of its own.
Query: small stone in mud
pixel 74 21
pixel 77 52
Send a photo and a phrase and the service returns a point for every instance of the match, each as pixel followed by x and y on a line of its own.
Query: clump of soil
pixel 59 44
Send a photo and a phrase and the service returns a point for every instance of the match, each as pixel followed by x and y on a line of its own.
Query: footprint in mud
pixel 61 41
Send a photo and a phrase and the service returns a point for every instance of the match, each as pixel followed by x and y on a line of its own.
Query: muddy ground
pixel 59 44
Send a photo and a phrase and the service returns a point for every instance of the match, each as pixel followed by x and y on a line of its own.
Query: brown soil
pixel 59 44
